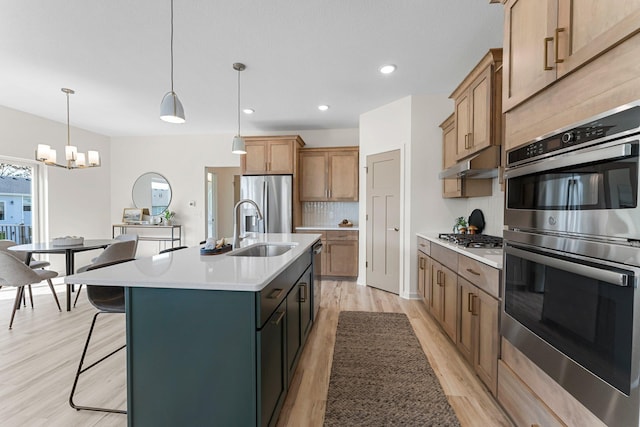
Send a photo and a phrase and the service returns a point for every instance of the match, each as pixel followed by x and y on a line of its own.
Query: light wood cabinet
pixel 531 397
pixel 329 174
pixel 458 187
pixel 479 317
pixel 478 331
pixel 424 275
pixel 521 403
pixel 339 255
pixel 444 298
pixel 478 106
pixel 272 155
pixel 545 40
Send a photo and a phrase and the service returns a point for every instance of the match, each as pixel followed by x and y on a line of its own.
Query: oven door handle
pixel 618 279
pixel 572 159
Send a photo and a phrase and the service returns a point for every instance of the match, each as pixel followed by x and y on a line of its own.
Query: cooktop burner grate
pixel 472 240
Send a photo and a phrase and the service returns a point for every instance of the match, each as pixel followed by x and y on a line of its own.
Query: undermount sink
pixel 263 250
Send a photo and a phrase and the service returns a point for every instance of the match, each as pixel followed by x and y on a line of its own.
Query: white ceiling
pixel 298 53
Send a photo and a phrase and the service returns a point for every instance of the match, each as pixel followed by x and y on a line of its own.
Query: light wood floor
pixel 39 357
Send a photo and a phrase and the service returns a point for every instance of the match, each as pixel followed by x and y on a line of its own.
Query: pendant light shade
pixel 238 146
pixel 171 108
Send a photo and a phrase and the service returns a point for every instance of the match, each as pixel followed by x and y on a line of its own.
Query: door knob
pixel 393 229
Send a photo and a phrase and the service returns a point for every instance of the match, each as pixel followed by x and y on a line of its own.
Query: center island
pixel 214 339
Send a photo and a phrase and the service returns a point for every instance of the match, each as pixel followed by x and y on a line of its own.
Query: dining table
pixel 69 252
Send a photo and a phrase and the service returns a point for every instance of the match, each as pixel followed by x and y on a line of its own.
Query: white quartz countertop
pixel 327 227
pixel 187 269
pixel 491 257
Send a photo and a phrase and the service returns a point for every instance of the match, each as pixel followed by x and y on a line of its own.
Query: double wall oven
pixel 572 260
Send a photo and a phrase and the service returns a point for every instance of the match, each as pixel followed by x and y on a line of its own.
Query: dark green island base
pixel 216 358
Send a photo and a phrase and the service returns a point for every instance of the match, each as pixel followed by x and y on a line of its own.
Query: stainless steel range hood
pixel 479 166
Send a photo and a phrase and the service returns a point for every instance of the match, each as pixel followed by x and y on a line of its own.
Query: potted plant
pixel 168 217
pixel 460 226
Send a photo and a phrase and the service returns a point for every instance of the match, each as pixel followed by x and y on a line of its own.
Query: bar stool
pixel 107 299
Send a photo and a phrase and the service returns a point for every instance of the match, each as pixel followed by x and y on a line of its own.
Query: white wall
pixel 78 200
pixel 411 124
pixel 182 160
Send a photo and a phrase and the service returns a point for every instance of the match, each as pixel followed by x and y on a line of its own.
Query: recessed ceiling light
pixel 387 69
pixel 323 107
pixel 248 111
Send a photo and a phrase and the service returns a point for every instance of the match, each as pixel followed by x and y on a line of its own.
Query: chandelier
pixel 75 160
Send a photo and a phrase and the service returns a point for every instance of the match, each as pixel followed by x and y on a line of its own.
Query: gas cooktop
pixel 472 240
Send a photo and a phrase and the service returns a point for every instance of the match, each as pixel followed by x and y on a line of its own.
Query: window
pixel 18 184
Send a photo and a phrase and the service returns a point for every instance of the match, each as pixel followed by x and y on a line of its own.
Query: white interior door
pixel 383 221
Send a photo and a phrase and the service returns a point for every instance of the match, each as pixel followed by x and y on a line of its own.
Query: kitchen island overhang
pixel 213 347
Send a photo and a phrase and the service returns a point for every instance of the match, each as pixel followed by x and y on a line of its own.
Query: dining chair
pixel 124 238
pixel 14 272
pixel 5 244
pixel 119 251
pixel 107 299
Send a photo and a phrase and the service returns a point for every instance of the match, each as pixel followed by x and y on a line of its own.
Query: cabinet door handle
pixel 421 263
pixel 546 53
pixel 303 292
pixel 275 294
pixel 470 302
pixel 473 272
pixel 466 141
pixel 474 305
pixel 431 287
pixel 279 318
pixel 557 43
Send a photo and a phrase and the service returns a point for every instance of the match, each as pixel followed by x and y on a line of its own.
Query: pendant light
pixel 171 108
pixel 238 146
pixel 75 160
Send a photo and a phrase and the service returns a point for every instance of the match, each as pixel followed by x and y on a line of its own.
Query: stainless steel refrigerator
pixel 274 195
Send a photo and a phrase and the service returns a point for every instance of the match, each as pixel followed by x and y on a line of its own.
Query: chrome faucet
pixel 236 221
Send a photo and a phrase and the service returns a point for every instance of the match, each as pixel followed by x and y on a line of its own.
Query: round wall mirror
pixel 152 191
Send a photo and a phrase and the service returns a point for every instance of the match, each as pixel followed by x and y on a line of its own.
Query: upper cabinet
pixel 545 40
pixel 329 174
pixel 458 187
pixel 478 111
pixel 270 155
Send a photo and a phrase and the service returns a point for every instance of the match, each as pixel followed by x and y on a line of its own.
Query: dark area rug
pixel 381 377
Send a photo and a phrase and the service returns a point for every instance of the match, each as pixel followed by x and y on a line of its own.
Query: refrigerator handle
pixel 265 206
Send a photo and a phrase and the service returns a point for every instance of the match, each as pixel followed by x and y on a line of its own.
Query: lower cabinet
pixel 444 298
pixel 478 332
pixel 339 253
pixel 462 294
pixel 424 271
pixel 298 320
pixel 273 340
pixel 222 357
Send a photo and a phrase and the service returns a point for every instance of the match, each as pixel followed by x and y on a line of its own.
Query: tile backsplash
pixel 328 214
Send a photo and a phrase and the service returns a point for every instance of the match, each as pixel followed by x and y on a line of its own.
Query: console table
pixel 167 233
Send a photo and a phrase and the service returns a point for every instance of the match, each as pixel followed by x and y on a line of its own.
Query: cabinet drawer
pixel 485 277
pixel 269 298
pixel 424 246
pixel 445 256
pixel 521 402
pixel 342 235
